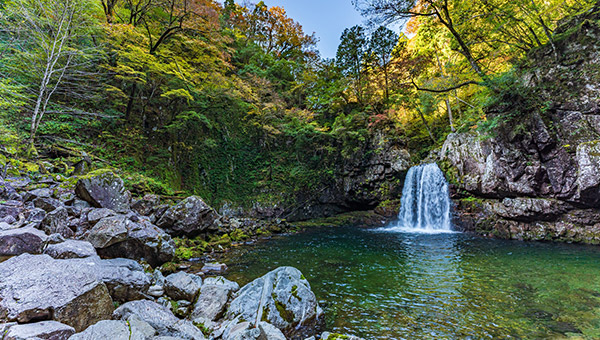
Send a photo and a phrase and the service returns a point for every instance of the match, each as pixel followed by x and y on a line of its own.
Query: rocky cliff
pixel 537 176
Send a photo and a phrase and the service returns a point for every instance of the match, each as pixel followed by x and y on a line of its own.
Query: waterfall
pixel 425 203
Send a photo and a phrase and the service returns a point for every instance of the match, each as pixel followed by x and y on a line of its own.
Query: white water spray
pixel 425 203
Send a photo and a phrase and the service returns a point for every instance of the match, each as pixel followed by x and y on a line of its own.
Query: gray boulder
pixel 108 231
pixel 43 330
pixel 213 298
pixel 57 221
pixel 104 190
pixel 160 318
pixel 11 208
pixel 247 331
pixel 124 278
pixel 19 241
pixel 70 249
pixel 110 329
pixel 47 204
pixel 588 175
pixel 282 297
pixel 38 287
pixel 144 241
pixel 182 286
pixel 145 206
pixel 37 193
pixel 95 215
pixel 190 217
pixel 35 215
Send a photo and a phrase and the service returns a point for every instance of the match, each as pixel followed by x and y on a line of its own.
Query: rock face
pixel 190 217
pixel 160 318
pixel 19 241
pixel 104 190
pixel 282 297
pixel 373 174
pixel 37 287
pixel 538 176
pixel 39 330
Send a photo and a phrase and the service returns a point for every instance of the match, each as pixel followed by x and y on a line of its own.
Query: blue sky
pixel 327 18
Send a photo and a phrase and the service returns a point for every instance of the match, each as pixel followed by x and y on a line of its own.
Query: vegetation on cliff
pixel 233 103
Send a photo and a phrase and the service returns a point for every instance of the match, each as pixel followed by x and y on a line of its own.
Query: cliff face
pixel 538 177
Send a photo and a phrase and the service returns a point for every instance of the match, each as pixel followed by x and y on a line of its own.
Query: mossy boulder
pixel 104 189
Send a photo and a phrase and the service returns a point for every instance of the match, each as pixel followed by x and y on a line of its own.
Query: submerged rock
pixel 104 190
pixel 38 287
pixel 282 297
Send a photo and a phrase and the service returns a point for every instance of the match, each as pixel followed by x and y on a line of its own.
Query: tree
pixel 351 56
pixel 383 42
pixel 387 11
pixel 51 44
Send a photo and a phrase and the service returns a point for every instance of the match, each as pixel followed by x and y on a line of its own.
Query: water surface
pixel 390 285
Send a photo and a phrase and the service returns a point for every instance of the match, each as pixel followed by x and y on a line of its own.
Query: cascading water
pixel 425 203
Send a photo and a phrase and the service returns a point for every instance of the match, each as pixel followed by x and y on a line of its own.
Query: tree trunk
pixel 426 124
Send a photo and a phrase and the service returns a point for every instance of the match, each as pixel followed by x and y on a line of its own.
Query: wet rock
pixel 145 206
pixel 11 208
pixel 160 318
pixel 110 329
pixel 19 241
pixel 38 287
pixel 142 326
pixel 530 209
pixel 335 336
pixel 282 297
pixel 143 241
pixel 70 249
pixel 95 215
pixel 125 279
pixel 108 231
pixel 214 267
pixel 190 217
pixel 57 222
pixel 6 190
pixel 213 298
pixel 182 286
pixel 104 190
pixel 42 330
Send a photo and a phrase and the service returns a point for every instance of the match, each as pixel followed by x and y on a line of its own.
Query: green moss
pixel 337 336
pixel 295 292
pixel 285 314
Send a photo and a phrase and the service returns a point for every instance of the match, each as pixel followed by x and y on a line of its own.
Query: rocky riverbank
pixel 83 260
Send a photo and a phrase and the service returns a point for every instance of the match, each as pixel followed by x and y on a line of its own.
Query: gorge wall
pixel 537 176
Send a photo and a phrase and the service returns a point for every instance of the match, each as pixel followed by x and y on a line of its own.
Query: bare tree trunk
pixel 426 124
pixel 448 108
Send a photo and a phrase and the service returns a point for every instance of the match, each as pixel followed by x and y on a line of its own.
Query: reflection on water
pixel 405 286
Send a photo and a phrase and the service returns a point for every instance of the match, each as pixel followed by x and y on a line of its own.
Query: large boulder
pixel 37 193
pixel 182 286
pixel 144 241
pixel 190 217
pixel 282 297
pixel 124 278
pixel 104 190
pixel 38 287
pixel 95 215
pixel 70 249
pixel 247 331
pixel 110 329
pixel 145 206
pixel 39 330
pixel 108 231
pixel 160 318
pixel 213 298
pixel 19 241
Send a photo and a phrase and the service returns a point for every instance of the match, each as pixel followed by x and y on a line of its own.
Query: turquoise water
pixel 382 285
